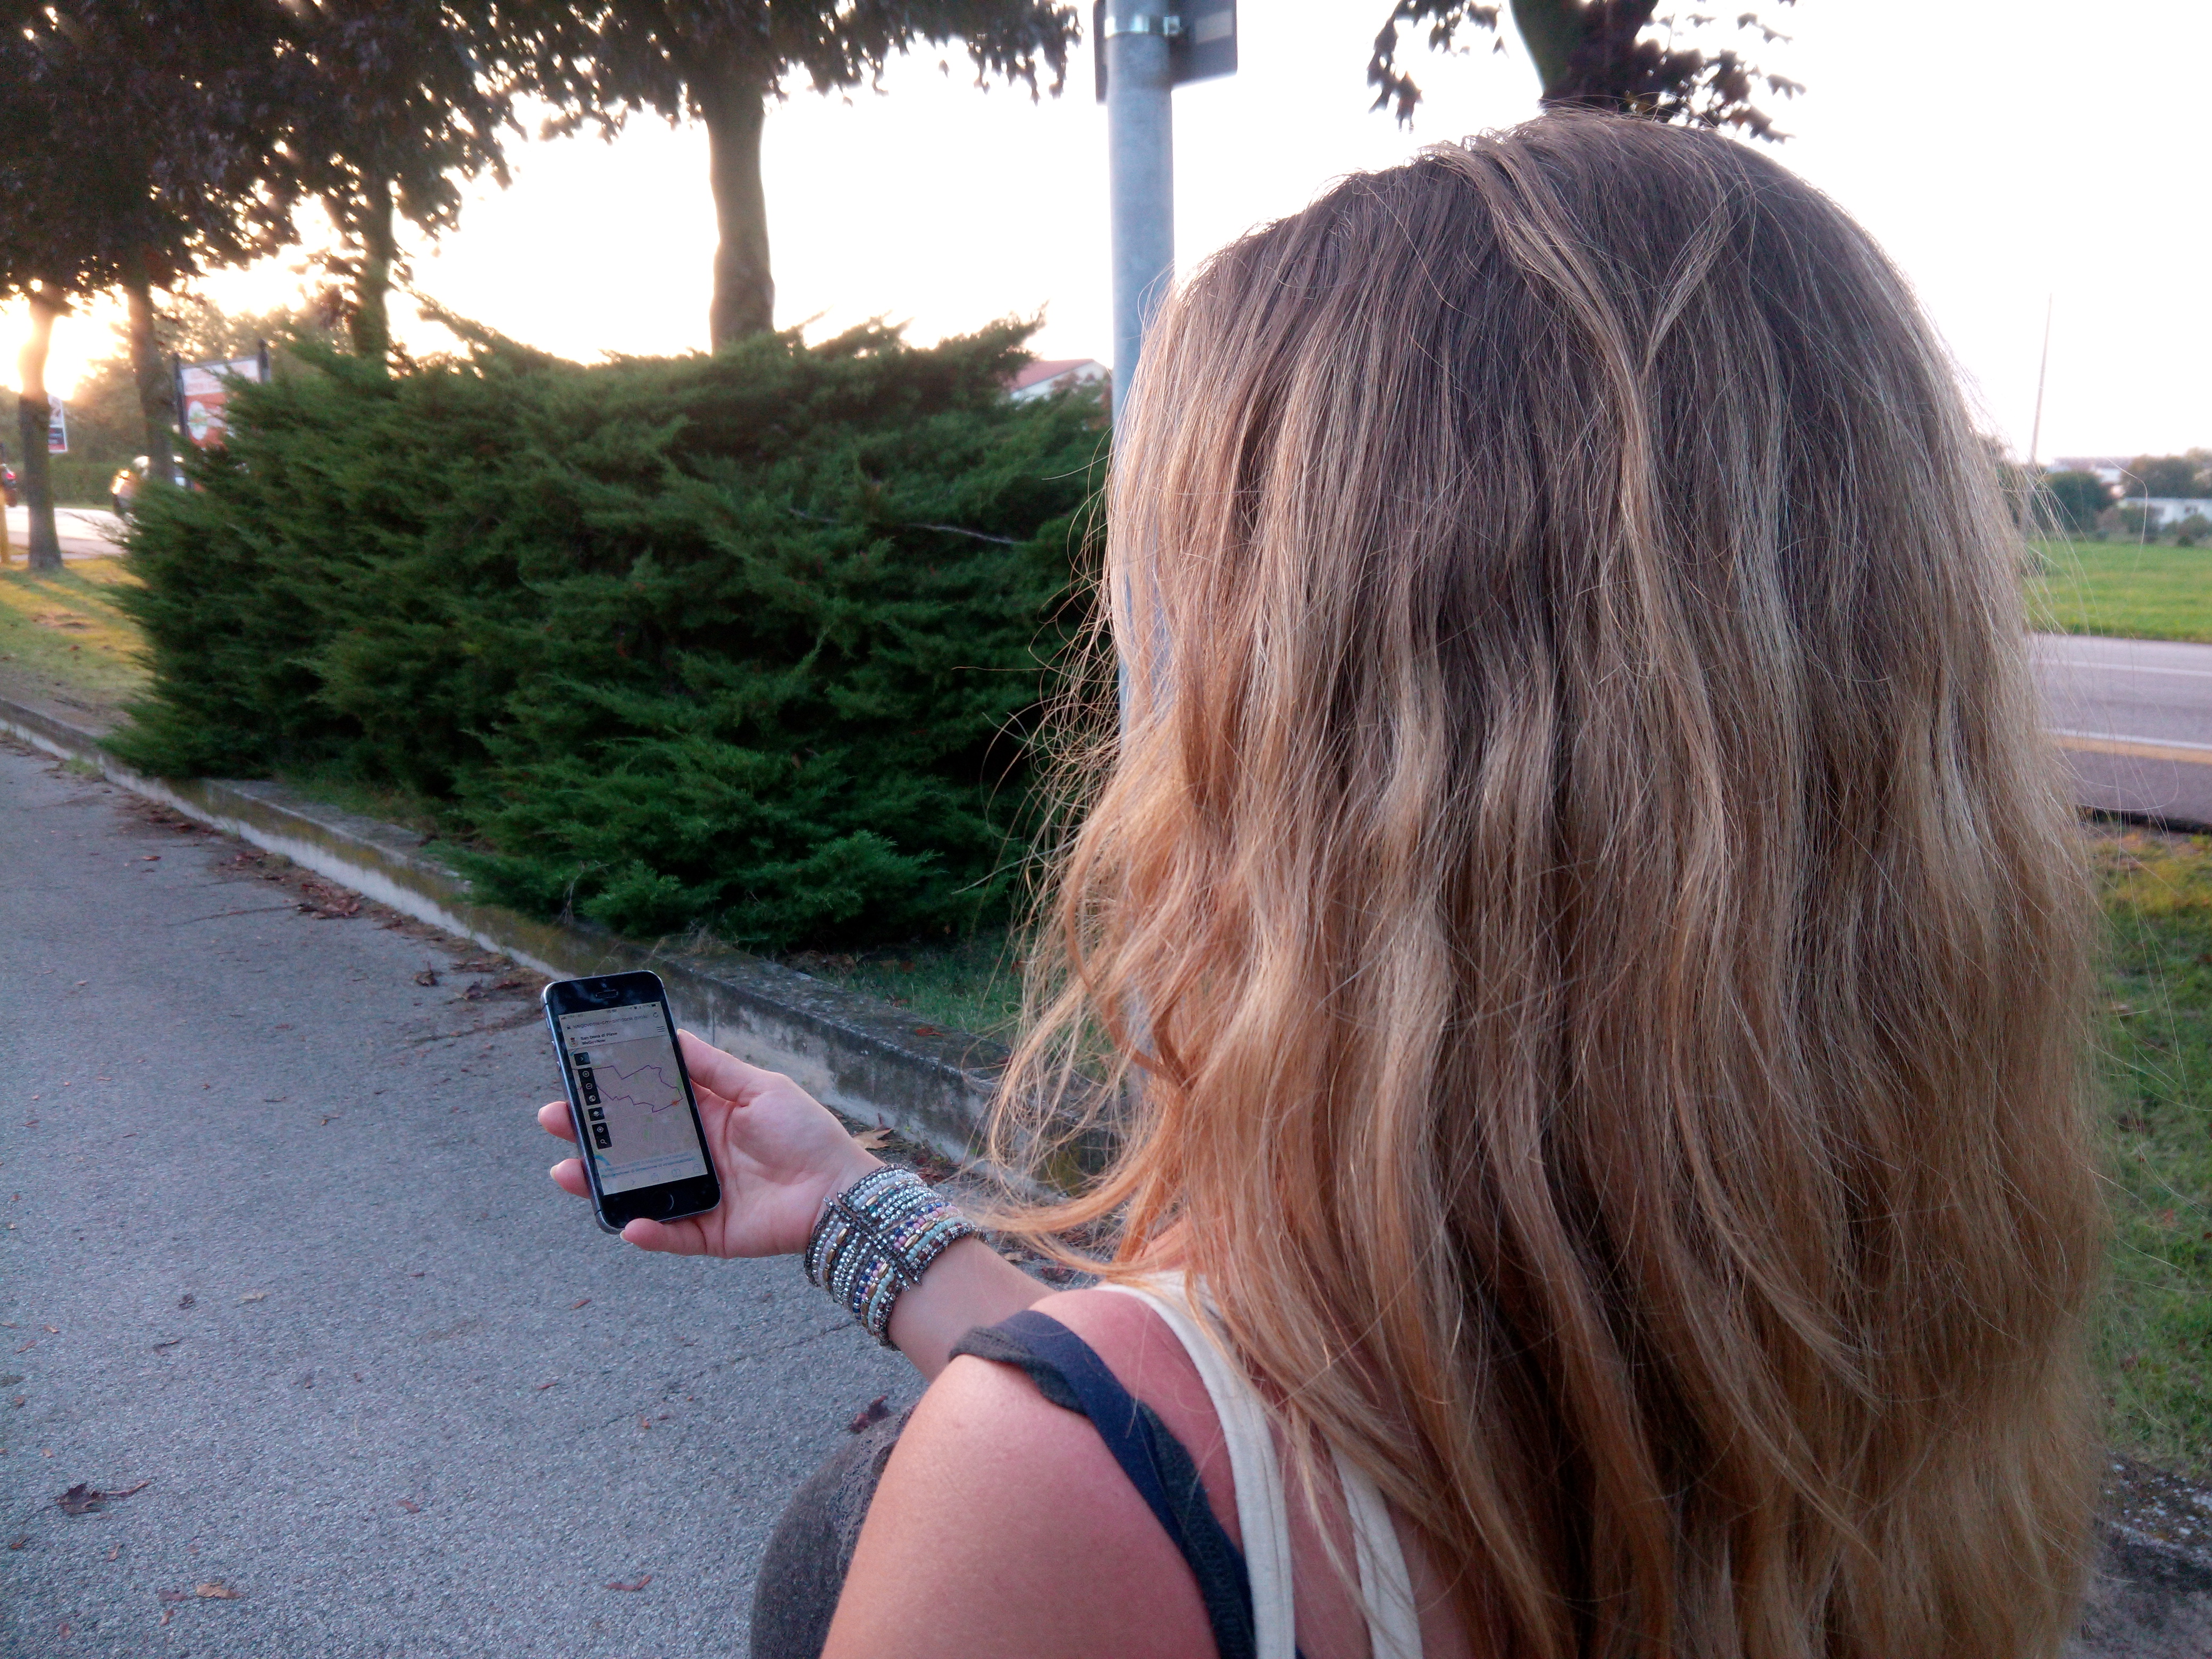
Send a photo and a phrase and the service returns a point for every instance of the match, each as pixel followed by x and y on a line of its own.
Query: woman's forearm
pixel 969 1284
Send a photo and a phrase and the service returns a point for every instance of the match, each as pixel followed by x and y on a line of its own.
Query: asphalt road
pixel 279 1244
pixel 2135 718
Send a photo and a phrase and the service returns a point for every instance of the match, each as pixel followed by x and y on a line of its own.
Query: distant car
pixel 123 489
pixel 8 492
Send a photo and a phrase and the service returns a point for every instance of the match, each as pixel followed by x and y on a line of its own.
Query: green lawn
pixel 60 633
pixel 2155 1346
pixel 2121 589
pixel 973 984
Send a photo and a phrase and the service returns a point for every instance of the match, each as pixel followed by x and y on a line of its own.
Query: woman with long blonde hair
pixel 1568 987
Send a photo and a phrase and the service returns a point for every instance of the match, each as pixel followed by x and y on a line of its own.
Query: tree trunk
pixel 1550 29
pixel 157 399
pixel 371 324
pixel 32 412
pixel 745 287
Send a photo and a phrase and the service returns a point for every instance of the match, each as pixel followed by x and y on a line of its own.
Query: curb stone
pixel 864 1058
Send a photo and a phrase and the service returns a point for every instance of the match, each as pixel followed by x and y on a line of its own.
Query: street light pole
pixel 1140 158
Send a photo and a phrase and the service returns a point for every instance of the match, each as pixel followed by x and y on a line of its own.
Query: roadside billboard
pixel 203 390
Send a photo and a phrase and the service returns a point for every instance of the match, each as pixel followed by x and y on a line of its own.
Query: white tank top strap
pixel 1263 1512
pixel 1386 1585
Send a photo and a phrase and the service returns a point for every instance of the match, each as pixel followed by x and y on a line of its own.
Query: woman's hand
pixel 778 1151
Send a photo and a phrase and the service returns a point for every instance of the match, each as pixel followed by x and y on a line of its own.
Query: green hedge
pixel 754 643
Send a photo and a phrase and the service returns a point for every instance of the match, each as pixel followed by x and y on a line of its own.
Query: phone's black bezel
pixel 672 1201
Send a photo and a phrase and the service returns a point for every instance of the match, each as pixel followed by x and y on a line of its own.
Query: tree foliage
pixel 752 642
pixel 395 104
pixel 2171 476
pixel 1602 54
pixel 2075 499
pixel 138 144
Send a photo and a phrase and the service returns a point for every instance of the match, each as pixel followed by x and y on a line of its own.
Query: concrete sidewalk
pixel 279 1244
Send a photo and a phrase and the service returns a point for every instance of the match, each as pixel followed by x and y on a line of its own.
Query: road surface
pixel 2135 719
pixel 85 533
pixel 279 1244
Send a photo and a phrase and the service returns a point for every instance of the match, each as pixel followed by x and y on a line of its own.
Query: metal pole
pixel 1140 157
pixel 2042 369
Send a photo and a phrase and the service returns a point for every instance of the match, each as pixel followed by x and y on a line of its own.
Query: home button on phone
pixel 668 1204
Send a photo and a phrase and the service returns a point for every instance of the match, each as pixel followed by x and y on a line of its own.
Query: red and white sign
pixel 202 392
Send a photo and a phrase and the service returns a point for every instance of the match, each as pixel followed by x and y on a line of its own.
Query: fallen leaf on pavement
pixel 53 1330
pixel 872 1140
pixel 218 1591
pixel 113 1552
pixel 411 1507
pixel 542 1386
pixel 874 1411
pixel 167 1614
pixel 171 1343
pixel 255 1296
pixel 173 1596
pixel 585 1303
pixel 27 1347
pixel 428 976
pixel 641 1582
pixel 80 1499
pixel 187 1299
pixel 24 1542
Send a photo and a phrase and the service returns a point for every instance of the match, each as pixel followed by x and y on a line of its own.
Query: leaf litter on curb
pixel 643 1580
pixel 214 1591
pixel 874 1411
pixel 872 1140
pixel 84 1499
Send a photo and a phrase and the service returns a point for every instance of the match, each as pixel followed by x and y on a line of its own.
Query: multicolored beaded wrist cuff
pixel 878 1238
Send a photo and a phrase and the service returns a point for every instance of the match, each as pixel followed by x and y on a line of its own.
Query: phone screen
pixel 637 1128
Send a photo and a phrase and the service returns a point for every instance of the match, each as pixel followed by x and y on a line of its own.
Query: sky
pixel 2007 157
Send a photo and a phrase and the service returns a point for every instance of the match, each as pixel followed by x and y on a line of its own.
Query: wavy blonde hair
pixel 1596 932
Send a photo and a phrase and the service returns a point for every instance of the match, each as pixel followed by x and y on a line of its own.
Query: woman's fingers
pixel 682 1238
pixel 555 1119
pixel 568 1176
pixel 726 1074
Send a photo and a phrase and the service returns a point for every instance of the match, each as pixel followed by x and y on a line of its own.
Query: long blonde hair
pixel 1587 923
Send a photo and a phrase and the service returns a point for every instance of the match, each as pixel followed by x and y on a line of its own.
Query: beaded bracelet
pixel 875 1239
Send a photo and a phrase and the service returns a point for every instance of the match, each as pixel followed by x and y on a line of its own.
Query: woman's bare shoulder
pixel 1004 1526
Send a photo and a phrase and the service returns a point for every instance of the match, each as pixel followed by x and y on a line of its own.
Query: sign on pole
pixel 57 427
pixel 203 392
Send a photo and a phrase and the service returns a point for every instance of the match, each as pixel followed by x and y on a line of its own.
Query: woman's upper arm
pixel 1005 1530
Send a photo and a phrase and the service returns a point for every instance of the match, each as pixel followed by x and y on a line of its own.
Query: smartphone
pixel 637 1121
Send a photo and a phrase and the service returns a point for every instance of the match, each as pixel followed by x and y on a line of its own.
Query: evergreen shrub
pixel 754 643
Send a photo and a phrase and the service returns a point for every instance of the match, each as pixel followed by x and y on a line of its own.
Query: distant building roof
pixel 2107 467
pixel 1054 373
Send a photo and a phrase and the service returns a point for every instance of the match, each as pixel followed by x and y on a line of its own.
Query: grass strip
pixel 2123 590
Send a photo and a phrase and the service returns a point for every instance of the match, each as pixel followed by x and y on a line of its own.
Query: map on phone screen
pixel 637 1129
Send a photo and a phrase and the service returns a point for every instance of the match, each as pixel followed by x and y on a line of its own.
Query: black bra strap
pixel 1070 1374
